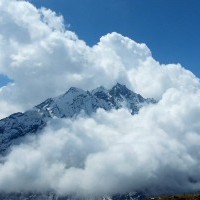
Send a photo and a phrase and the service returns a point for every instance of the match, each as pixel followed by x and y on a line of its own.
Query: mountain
pixel 76 100
pixel 67 105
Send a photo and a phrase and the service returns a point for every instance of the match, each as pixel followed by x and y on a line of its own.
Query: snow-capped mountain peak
pixel 119 88
pixel 67 105
pixel 73 91
pixel 99 90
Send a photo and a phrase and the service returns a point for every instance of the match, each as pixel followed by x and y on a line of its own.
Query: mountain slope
pixel 68 105
pixel 76 100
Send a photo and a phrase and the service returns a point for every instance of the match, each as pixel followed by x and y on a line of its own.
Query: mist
pixel 155 151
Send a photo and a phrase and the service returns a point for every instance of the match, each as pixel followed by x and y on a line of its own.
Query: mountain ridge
pixel 52 196
pixel 68 105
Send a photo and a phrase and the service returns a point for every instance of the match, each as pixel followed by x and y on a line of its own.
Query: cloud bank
pixel 156 150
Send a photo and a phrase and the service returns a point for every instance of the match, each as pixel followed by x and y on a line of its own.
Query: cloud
pixel 156 151
pixel 44 59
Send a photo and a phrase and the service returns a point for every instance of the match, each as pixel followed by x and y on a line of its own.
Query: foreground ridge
pixel 67 105
pixel 52 196
pixel 127 196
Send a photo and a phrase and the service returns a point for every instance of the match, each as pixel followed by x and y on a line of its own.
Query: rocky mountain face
pixel 76 100
pixel 68 105
pixel 14 127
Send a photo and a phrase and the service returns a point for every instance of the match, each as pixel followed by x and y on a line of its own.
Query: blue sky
pixel 170 28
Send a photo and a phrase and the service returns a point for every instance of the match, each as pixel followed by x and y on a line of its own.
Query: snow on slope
pixel 76 100
pixel 68 105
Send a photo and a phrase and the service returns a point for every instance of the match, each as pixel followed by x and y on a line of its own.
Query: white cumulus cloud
pixel 44 59
pixel 156 150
